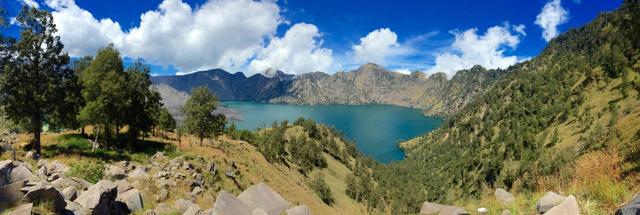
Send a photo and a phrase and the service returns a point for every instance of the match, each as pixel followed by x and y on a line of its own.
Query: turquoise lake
pixel 376 129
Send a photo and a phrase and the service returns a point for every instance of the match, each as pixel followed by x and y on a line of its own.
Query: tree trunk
pixel 201 140
pixel 82 130
pixel 37 129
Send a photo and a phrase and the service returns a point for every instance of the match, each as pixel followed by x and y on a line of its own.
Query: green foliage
pixel 90 171
pixel 36 86
pixel 164 120
pixel 322 189
pixel 306 154
pixel 199 118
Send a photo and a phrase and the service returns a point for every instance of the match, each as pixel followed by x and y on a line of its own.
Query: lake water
pixel 376 129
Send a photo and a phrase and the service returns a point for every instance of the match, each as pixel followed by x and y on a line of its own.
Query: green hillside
pixel 578 98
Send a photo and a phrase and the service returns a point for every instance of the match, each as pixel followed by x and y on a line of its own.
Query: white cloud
pixel 550 17
pixel 218 34
pixel 378 46
pixel 299 51
pixel 470 48
pixel 403 71
pixel 31 3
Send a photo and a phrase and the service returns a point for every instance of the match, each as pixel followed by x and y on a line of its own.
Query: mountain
pixel 566 120
pixel 372 84
pixel 229 86
pixel 369 84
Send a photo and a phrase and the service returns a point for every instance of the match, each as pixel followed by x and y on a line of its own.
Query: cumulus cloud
pixel 403 71
pixel 550 17
pixel 218 34
pixel 31 3
pixel 299 51
pixel 378 46
pixel 487 50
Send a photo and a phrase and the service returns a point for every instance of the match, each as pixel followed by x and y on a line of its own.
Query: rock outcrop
pixel 548 201
pixel 261 196
pixel 429 208
pixel 631 207
pixel 504 197
pixel 568 207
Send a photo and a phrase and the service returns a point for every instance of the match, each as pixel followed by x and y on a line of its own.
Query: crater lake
pixel 375 129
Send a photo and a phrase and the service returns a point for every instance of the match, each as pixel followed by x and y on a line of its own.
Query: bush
pixel 322 189
pixel 90 171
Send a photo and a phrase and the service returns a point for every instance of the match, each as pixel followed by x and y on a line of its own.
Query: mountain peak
pixel 370 66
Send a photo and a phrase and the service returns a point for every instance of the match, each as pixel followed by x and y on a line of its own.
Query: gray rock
pixel 99 198
pixel 73 208
pixel 163 208
pixel 132 199
pixel 548 201
pixel 24 209
pixel 193 210
pixel 207 212
pixel 41 193
pixel 138 173
pixel 196 191
pixel 11 192
pixel 19 173
pixel 5 170
pixel 631 207
pixel 56 167
pixel 504 197
pixel 70 193
pixel 263 197
pixel 159 156
pixel 567 207
pixel 429 208
pixel 183 205
pixel 28 155
pixel 198 180
pixel 227 204
pixel 63 183
pixel 211 167
pixel 123 186
pixel 299 210
pixel 115 172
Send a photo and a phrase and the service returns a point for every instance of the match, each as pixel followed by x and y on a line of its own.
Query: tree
pixel 35 81
pixel 165 121
pixel 78 67
pixel 322 189
pixel 199 118
pixel 142 102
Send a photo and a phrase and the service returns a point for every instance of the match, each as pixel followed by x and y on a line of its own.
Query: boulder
pixel 11 192
pixel 63 183
pixel 196 191
pixel 24 209
pixel 123 186
pixel 299 210
pixel 138 173
pixel 429 208
pixel 227 204
pixel 548 201
pixel 159 156
pixel 115 172
pixel 193 210
pixel 99 198
pixel 183 205
pixel 29 155
pixel 567 207
pixel 631 207
pixel 42 193
pixel 19 173
pixel 132 199
pixel 261 196
pixel 162 195
pixel 198 180
pixel 73 208
pixel 56 167
pixel 504 197
pixel 5 170
pixel 70 193
pixel 211 167
pixel 163 208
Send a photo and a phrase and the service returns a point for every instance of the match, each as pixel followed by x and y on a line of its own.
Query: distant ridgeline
pixel 369 84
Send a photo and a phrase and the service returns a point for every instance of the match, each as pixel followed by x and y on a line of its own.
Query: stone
pixel 299 210
pixel 5 170
pixel 158 156
pixel 568 207
pixel 70 193
pixel 132 199
pixel 193 210
pixel 504 197
pixel 56 167
pixel 123 186
pixel 429 208
pixel 63 183
pixel 198 180
pixel 196 191
pixel 138 173
pixel 11 192
pixel 163 208
pixel 211 167
pixel 29 155
pixel 162 195
pixel 548 201
pixel 263 197
pixel 41 193
pixel 207 212
pixel 259 211
pixel 19 173
pixel 183 205
pixel 227 204
pixel 73 208
pixel 24 209
pixel 99 198
pixel 115 172
pixel 631 207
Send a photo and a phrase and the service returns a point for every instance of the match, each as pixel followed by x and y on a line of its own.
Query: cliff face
pixel 371 84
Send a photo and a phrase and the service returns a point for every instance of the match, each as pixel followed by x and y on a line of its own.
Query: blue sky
pixel 299 36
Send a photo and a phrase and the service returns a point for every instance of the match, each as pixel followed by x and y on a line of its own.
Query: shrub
pixel 322 189
pixel 90 171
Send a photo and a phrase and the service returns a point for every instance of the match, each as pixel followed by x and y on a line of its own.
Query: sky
pixel 301 36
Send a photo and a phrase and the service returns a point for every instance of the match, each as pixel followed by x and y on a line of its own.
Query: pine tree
pixel 199 118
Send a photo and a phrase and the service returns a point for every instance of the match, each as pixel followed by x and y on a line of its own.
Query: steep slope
pixel 230 86
pixel 533 129
pixel 372 84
